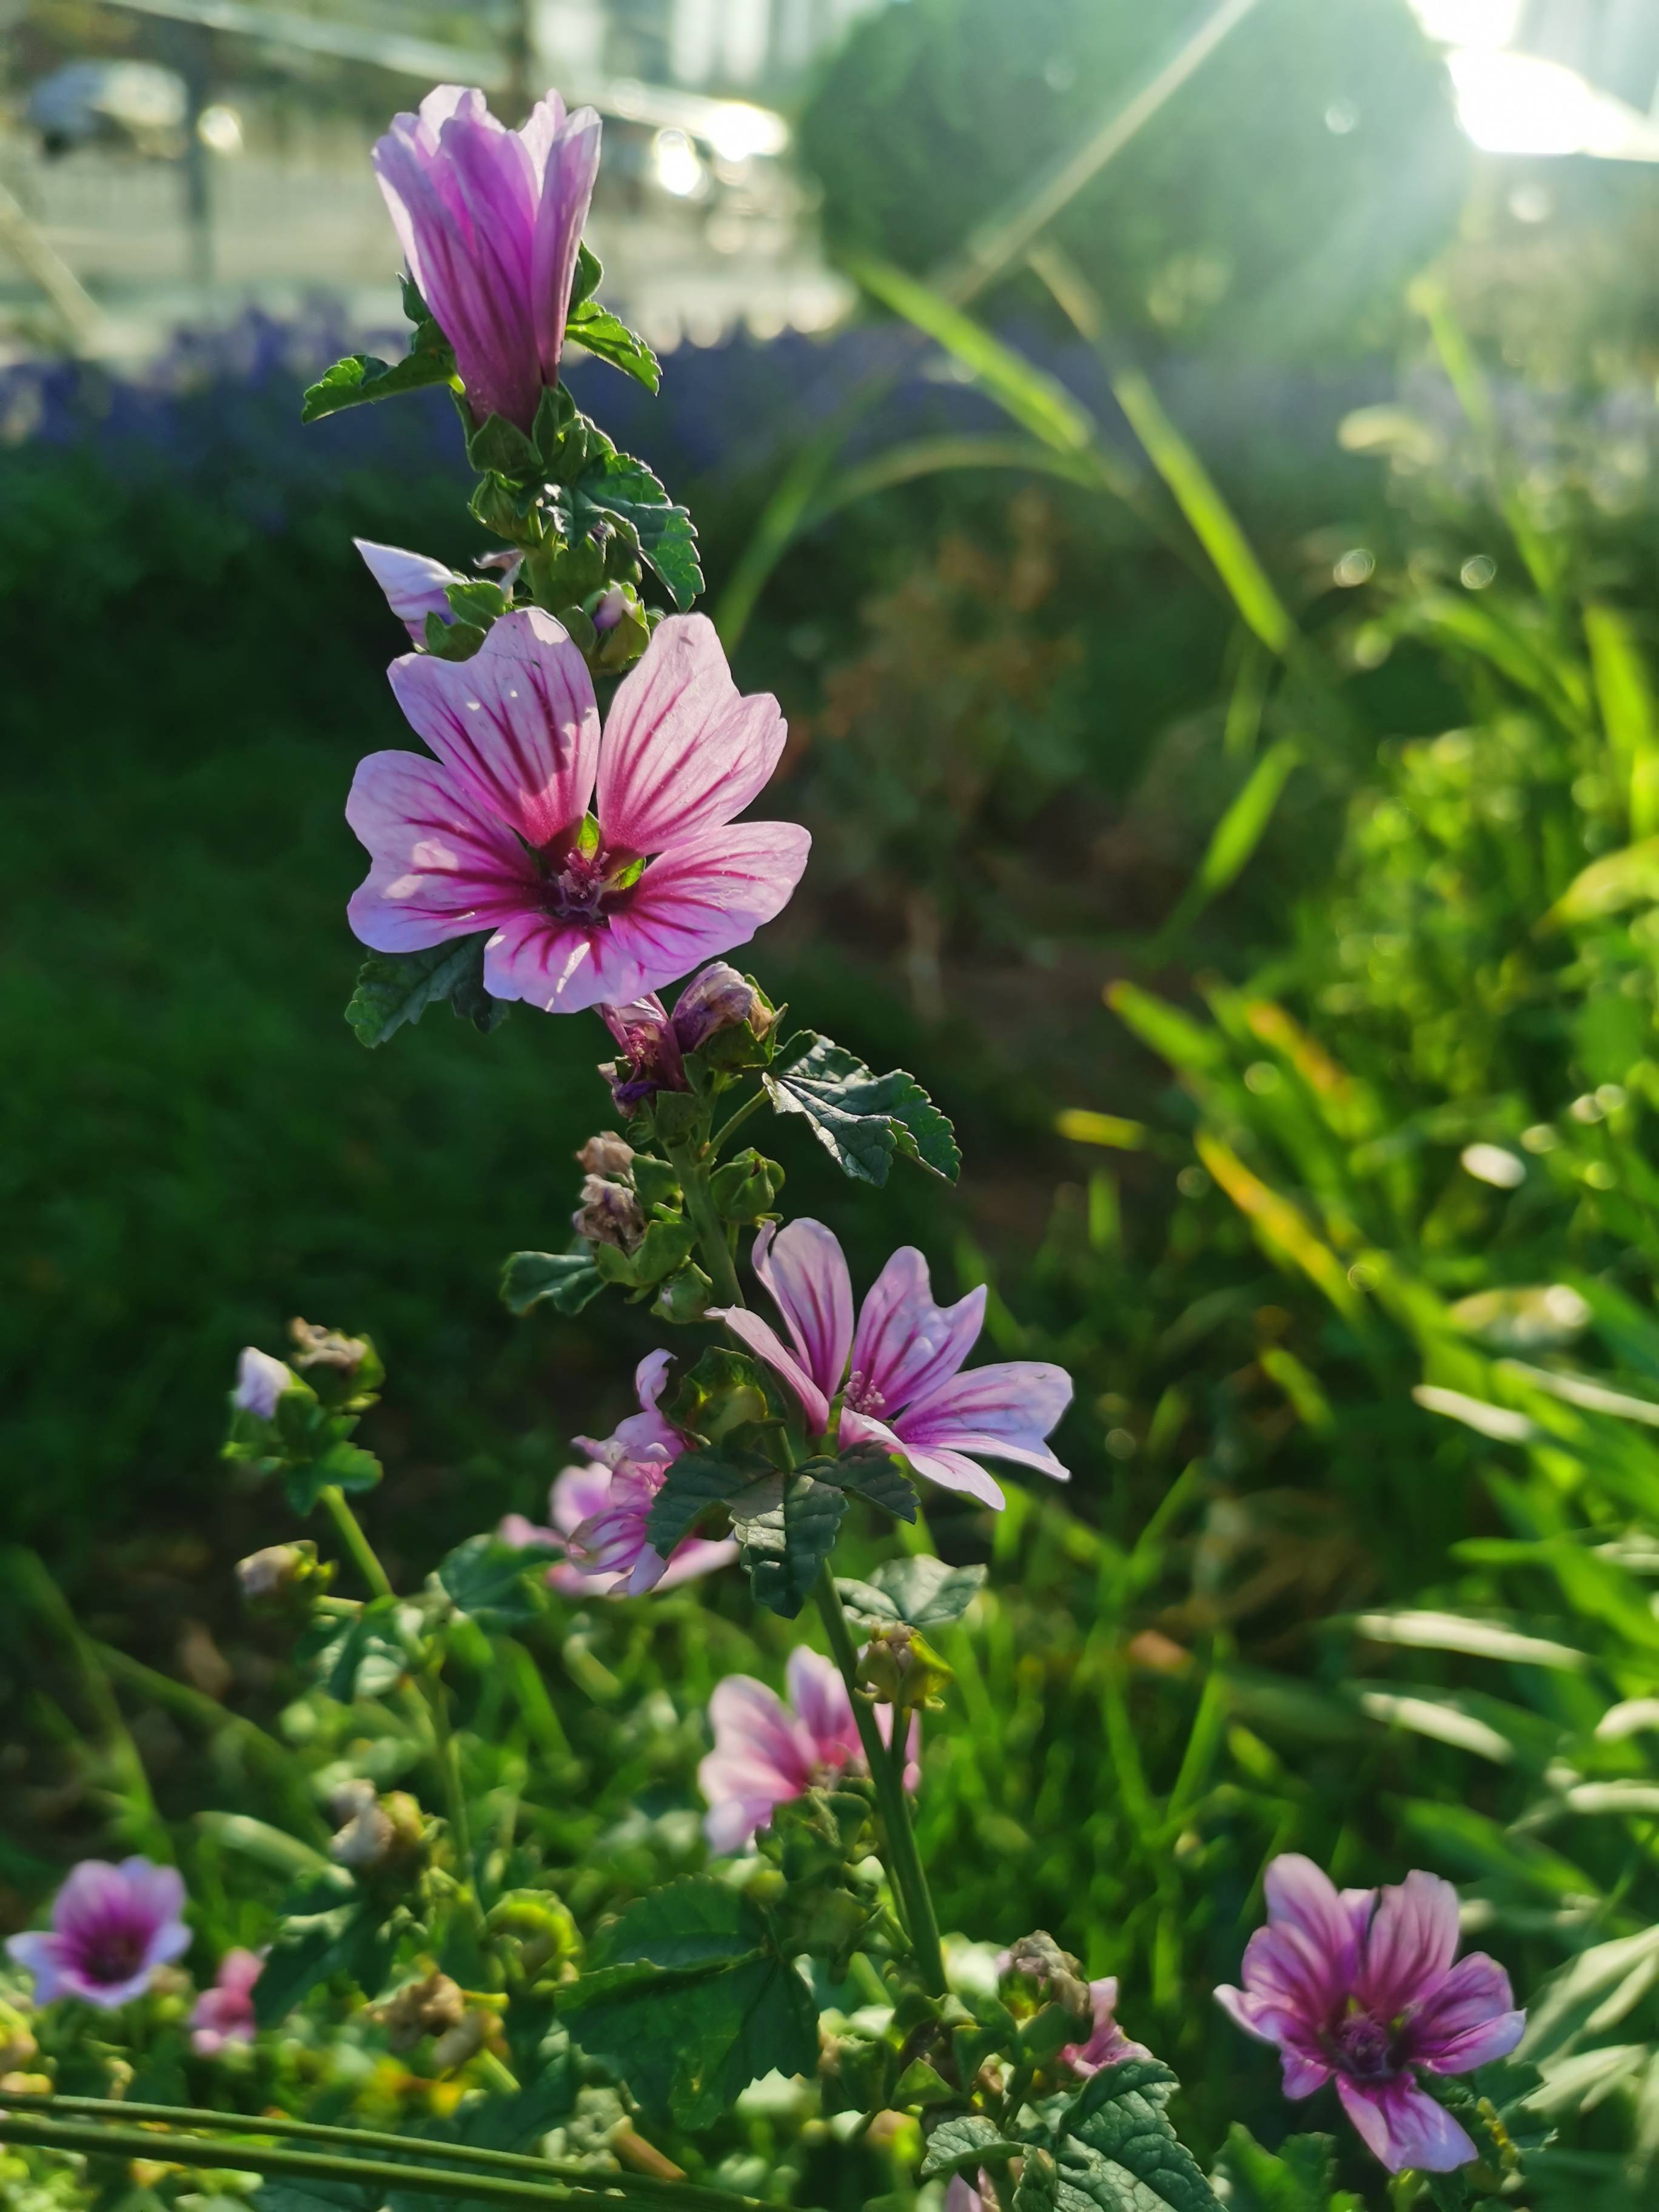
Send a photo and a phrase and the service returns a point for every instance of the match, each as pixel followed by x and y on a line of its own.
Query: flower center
pixel 114 1956
pixel 861 1395
pixel 580 880
pixel 1364 2047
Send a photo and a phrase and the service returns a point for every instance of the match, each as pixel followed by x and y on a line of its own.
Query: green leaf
pixel 864 1121
pixel 344 1936
pixel 1116 2149
pixel 500 448
pixel 478 601
pixel 488 1580
pixel 1300 2179
pixel 724 1392
pixel 1035 399
pixel 618 488
pixel 688 2002
pixel 1608 887
pixel 783 1547
pixel 921 1593
pixel 589 270
pixel 395 988
pixel 960 2146
pixel 1236 837
pixel 359 378
pixel 363 1656
pixel 696 1481
pixel 605 334
pixel 872 1471
pixel 567 1281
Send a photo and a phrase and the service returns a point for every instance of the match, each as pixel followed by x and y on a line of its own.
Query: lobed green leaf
pixel 863 1120
pixel 395 988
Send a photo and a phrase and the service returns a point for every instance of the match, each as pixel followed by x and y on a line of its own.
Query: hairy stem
pixel 711 1237
pixel 722 1136
pixel 887 1773
pixel 47 2134
pixel 350 1529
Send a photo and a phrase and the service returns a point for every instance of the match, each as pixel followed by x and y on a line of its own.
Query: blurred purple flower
pixel 490 220
pixel 1359 1983
pixel 223 2015
pixel 963 2197
pixel 260 1381
pixel 415 585
pixel 1107 2045
pixel 764 1754
pixel 904 1389
pixel 495 835
pixel 598 1512
pixel 112 1926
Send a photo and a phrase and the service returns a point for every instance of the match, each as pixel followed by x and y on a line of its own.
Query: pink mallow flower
pixel 495 835
pixel 415 585
pixel 1360 1984
pixel 111 1927
pixel 904 1389
pixel 598 1512
pixel 490 220
pixel 223 2015
pixel 765 1755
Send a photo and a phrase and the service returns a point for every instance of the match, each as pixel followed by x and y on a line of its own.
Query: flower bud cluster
pixel 375 1834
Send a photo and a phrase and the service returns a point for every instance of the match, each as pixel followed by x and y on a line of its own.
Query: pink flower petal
pixel 952 1471
pixel 765 1341
pixel 569 166
pixel 1302 1896
pixel 516 726
pixel 763 1756
pixel 415 585
pixel 1411 1942
pixel 697 1555
pixel 1402 2126
pixel 805 1271
pixel 685 750
pixel 1469 2020
pixel 555 965
pixel 704 896
pixel 905 1345
pixel 1016 1401
pixel 819 1697
pixel 438 867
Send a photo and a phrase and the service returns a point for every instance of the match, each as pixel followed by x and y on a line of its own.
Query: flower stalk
pixel 693 1172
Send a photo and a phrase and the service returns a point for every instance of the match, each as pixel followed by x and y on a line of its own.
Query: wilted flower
pixel 903 1390
pixel 316 1346
pixel 1360 1984
pixel 223 2015
pixel 606 1154
pixel 260 1381
pixel 598 1512
pixel 111 1927
pixel 434 2006
pixel 415 585
pixel 495 835
pixel 609 1213
pixel 490 220
pixel 371 1831
pixel 645 1032
pixel 764 1754
pixel 279 1568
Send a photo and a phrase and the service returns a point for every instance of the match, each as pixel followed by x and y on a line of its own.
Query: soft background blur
pixel 1208 694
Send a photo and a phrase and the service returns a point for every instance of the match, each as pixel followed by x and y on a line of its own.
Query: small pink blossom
pixel 223 2015
pixel 598 1512
pixel 765 1755
pixel 490 222
pixel 415 585
pixel 111 1927
pixel 1107 2045
pixel 904 1388
pixel 494 834
pixel 1360 1984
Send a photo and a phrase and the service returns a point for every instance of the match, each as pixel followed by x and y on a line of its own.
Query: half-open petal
pixel 705 897
pixel 568 169
pixel 905 1345
pixel 516 726
pixel 804 1270
pixel 685 751
pixel 415 585
pixel 438 867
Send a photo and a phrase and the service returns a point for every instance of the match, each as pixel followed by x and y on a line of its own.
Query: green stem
pixel 201 2151
pixel 721 1137
pixel 350 1532
pixel 887 1773
pixel 429 1695
pixel 711 1235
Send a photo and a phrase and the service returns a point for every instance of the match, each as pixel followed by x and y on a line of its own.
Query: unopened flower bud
pixel 717 998
pixel 463 2041
pixel 901 1668
pixel 317 1347
pixel 606 1154
pixel 433 2007
pixel 374 1832
pixel 278 1569
pixel 260 1381
pixel 1037 1958
pixel 17 2047
pixel 609 1214
pixel 609 609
